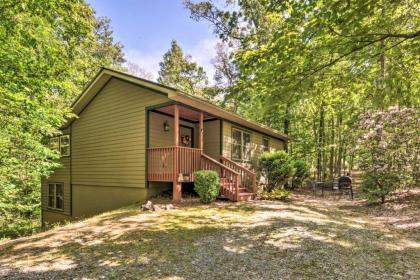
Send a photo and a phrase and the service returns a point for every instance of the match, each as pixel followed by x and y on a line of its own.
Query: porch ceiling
pixel 185 113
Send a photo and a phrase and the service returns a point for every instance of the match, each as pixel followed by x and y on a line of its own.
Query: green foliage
pixel 276 167
pixel 207 185
pixel 277 194
pixel 388 145
pixel 310 68
pixel 376 186
pixel 178 71
pixel 48 52
pixel 301 172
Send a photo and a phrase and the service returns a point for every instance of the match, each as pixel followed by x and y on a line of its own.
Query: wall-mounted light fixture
pixel 166 126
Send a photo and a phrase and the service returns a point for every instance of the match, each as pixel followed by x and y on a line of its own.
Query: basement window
pixel 55 196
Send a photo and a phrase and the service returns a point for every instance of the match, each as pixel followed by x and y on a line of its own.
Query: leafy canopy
pixel 48 52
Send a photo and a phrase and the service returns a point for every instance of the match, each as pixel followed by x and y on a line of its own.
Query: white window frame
pixel 65 145
pixel 59 144
pixel 243 147
pixel 266 148
pixel 54 195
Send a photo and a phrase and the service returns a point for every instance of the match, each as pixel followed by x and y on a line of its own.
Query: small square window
pixel 61 144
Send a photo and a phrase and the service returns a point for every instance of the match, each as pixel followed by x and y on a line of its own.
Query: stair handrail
pixel 253 175
pixel 230 170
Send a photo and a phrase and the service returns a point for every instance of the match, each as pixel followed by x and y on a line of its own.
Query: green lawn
pixel 305 238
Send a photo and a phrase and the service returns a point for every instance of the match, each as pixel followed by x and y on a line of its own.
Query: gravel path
pixel 305 238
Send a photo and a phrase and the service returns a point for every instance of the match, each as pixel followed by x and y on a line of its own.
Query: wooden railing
pixel 166 163
pixel 230 179
pixel 189 160
pixel 160 164
pixel 248 179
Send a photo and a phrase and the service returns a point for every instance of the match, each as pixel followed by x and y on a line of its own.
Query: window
pixel 55 196
pixel 241 145
pixel 65 145
pixel 266 144
pixel 61 144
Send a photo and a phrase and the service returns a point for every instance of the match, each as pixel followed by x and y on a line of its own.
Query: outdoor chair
pixel 345 185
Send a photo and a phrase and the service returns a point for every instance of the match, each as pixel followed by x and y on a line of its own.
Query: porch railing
pixel 167 162
pixel 248 179
pixel 230 179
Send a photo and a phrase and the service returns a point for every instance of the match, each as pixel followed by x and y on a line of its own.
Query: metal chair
pixel 345 184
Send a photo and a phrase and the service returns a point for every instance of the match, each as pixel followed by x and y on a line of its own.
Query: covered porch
pixel 182 140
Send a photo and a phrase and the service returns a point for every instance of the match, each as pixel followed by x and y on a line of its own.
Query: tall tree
pixel 48 51
pixel 295 55
pixel 226 77
pixel 179 71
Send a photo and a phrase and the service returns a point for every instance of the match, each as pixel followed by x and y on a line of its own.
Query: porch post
pixel 201 129
pixel 176 125
pixel 177 189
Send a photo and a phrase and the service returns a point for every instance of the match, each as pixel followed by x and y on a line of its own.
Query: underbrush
pixel 277 194
pixel 19 227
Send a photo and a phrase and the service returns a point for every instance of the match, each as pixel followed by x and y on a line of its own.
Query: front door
pixel 186 136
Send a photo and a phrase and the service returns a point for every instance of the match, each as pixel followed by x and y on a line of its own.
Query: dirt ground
pixel 308 237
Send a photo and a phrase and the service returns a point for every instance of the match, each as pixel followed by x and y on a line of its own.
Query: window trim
pixel 68 145
pixel 55 196
pixel 59 144
pixel 266 149
pixel 241 159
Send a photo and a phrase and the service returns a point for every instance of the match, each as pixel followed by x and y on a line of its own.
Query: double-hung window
pixel 61 144
pixel 266 144
pixel 55 196
pixel 241 145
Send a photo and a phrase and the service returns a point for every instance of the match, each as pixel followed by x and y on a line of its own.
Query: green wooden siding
pixel 109 137
pixel 107 153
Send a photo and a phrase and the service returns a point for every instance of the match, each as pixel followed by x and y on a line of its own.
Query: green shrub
pixel 387 148
pixel 275 195
pixel 301 172
pixel 207 185
pixel 276 167
pixel 372 191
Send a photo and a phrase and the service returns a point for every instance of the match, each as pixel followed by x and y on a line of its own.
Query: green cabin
pixel 134 138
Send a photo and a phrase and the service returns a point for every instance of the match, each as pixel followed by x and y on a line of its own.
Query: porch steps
pixel 244 194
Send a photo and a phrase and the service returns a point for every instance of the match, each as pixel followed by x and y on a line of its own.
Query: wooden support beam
pixel 176 125
pixel 177 186
pixel 177 192
pixel 201 129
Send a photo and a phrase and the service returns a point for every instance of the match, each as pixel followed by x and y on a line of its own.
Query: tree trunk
pixel 320 144
pixel 287 124
pixel 340 145
pixel 332 150
pixel 381 88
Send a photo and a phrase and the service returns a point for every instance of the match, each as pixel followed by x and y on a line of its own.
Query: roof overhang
pixel 106 74
pixel 224 114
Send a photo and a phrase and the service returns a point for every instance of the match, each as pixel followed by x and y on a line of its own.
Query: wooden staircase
pixel 165 164
pixel 236 182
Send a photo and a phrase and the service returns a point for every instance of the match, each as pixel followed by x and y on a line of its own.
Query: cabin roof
pixel 105 74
